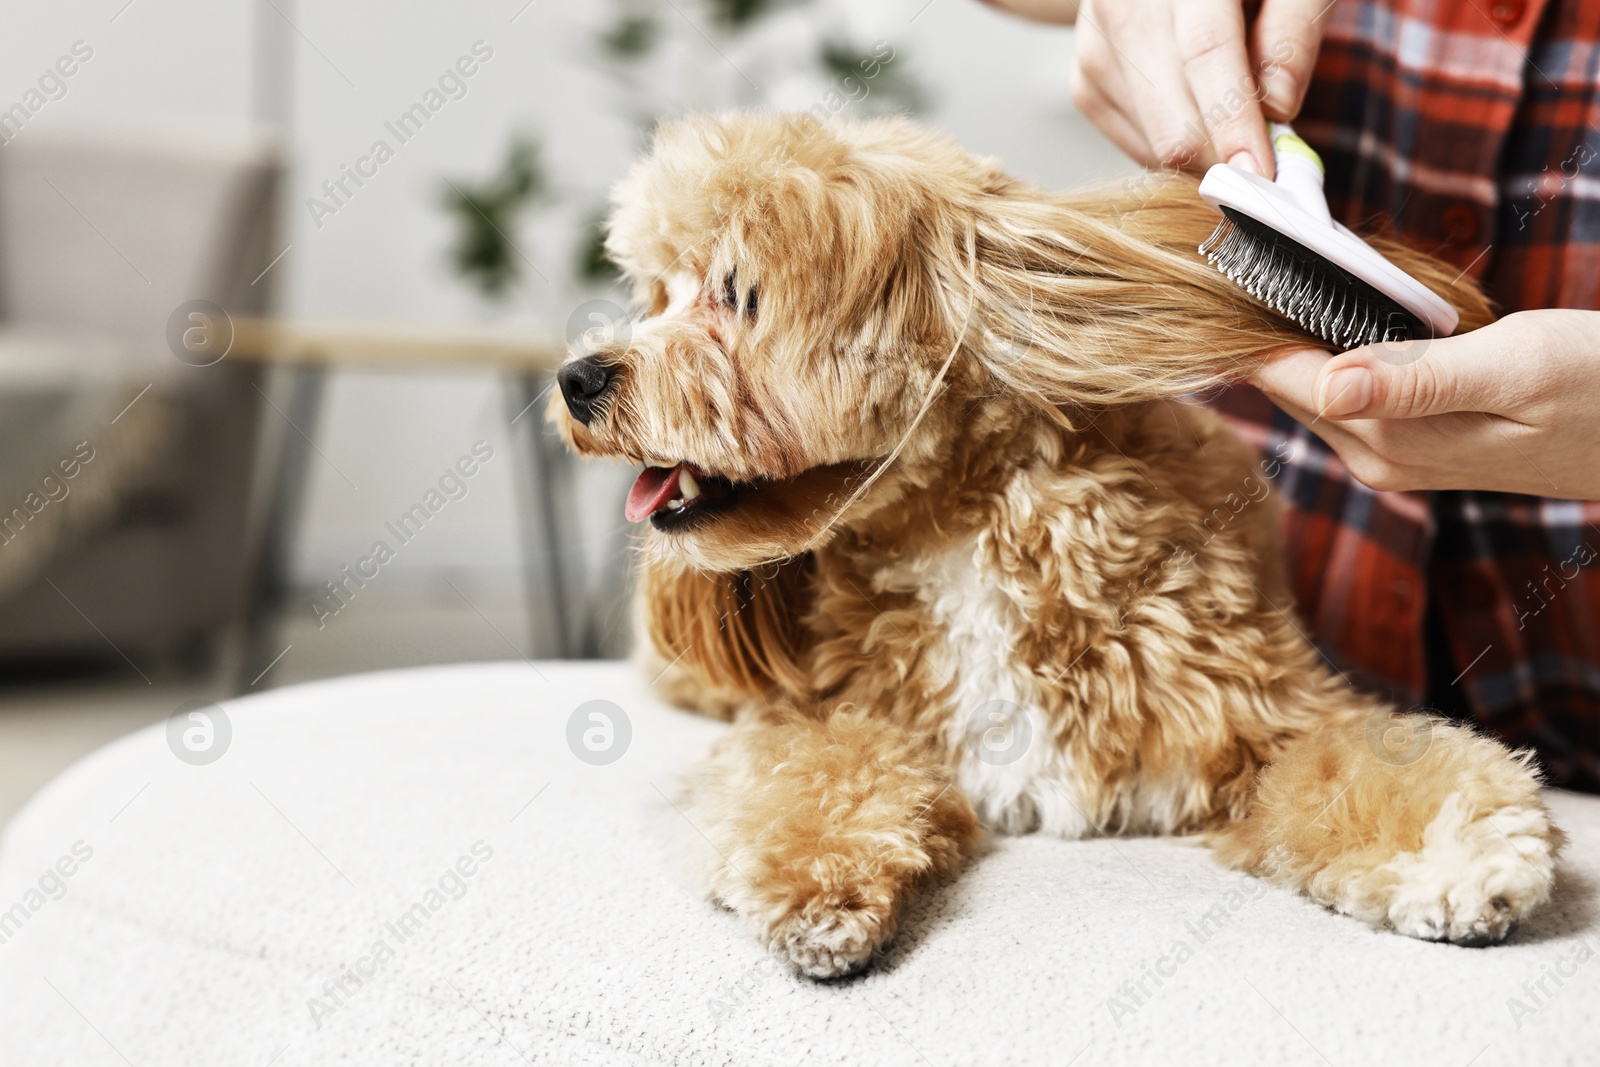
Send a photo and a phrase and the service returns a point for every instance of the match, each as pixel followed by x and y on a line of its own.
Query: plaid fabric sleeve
pixel 1471 130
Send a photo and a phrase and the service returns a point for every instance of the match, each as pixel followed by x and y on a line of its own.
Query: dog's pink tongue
pixel 653 488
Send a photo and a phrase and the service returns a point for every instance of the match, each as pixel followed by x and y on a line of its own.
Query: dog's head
pixel 821 305
pixel 792 326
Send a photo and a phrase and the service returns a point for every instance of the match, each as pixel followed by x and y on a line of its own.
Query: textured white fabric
pixel 219 899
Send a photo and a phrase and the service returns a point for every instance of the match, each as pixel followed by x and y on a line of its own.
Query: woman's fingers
pixel 1221 87
pixel 1397 379
pixel 1290 376
pixel 1447 451
pixel 1416 379
pixel 1165 114
pixel 1188 82
pixel 1131 81
pixel 1349 447
pixel 1366 449
pixel 1284 42
pixel 1096 94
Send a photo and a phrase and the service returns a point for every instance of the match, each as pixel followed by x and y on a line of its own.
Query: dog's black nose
pixel 583 382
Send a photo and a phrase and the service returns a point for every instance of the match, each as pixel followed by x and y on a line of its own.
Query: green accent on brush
pixel 1291 144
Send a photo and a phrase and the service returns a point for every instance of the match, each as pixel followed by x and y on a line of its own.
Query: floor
pixel 47 722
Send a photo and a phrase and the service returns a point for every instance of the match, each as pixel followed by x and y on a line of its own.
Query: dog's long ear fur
pixel 1102 297
pixel 739 634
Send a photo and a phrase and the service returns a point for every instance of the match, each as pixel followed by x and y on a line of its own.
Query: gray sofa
pixel 149 552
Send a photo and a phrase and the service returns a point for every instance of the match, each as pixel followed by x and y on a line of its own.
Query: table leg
pixel 282 511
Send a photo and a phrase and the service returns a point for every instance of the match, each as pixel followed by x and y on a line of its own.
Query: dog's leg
pixel 1406 821
pixel 821 830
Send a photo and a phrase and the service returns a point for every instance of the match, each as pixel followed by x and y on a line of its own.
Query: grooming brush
pixel 1277 241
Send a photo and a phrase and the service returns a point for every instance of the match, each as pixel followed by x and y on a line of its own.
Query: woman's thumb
pixel 1404 380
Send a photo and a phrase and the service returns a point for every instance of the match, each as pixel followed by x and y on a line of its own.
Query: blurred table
pixel 306 352
pixel 314 345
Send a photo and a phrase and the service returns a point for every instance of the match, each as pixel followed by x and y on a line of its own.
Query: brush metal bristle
pixel 1318 296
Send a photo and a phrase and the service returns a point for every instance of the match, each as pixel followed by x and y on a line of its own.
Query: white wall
pixel 998 84
pixel 156 62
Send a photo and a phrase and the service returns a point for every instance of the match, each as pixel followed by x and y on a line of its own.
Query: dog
pixel 933 519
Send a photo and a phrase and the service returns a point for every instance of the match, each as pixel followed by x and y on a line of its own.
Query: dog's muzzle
pixel 583 383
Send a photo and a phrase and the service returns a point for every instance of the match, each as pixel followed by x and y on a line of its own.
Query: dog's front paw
pixel 1476 876
pixel 822 830
pixel 832 943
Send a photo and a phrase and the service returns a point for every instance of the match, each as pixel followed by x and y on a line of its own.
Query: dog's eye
pixel 730 295
pixel 750 302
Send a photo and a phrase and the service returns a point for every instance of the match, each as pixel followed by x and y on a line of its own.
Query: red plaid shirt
pixel 1472 130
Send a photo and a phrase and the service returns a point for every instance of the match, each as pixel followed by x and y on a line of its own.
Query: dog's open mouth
pixel 673 496
pixel 682 496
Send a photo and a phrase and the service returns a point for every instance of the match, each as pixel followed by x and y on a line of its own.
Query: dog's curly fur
pixel 976 562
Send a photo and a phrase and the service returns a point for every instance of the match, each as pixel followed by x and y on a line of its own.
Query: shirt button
pixel 1506 12
pixel 1460 223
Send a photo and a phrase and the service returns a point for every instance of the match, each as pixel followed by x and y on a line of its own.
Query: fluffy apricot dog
pixel 932 523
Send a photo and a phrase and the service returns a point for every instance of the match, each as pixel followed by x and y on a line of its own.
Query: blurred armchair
pixel 145 548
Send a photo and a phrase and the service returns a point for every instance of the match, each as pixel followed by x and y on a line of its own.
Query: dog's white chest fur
pixel 1008 757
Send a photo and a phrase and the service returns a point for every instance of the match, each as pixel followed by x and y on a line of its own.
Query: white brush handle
pixel 1299 172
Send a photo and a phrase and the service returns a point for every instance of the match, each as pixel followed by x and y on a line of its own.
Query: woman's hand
pixel 1187 82
pixel 1514 406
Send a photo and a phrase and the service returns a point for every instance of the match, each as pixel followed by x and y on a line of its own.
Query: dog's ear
pixel 1103 297
pixel 738 634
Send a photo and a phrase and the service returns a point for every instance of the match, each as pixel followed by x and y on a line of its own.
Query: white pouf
pixel 490 898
